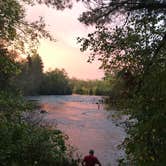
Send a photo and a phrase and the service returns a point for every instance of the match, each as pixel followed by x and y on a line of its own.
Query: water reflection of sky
pixel 86 124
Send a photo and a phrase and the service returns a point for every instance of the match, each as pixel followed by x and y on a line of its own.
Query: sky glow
pixel 65 53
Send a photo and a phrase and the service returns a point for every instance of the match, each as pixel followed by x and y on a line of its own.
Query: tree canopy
pixel 22 142
pixel 100 12
pixel 130 42
pixel 17 32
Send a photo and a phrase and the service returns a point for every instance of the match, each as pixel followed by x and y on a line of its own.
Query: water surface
pixel 88 124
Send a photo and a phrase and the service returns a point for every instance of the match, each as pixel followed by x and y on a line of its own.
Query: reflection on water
pixel 86 123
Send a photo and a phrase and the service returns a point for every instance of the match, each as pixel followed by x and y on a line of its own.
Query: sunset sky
pixel 65 53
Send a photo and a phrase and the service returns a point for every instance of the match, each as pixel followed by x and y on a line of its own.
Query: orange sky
pixel 65 53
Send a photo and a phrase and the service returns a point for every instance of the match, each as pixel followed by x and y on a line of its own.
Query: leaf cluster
pixel 134 53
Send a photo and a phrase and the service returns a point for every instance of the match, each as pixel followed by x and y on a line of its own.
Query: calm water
pixel 88 125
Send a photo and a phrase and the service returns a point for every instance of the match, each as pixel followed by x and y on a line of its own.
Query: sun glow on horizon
pixel 65 53
pixel 58 55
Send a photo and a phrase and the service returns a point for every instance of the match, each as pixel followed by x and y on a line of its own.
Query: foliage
pixel 134 53
pixel 146 142
pixel 55 82
pixel 9 66
pixel 21 143
pixel 91 87
pixel 11 14
pixel 31 75
pixel 101 12
pixel 33 81
pixel 20 34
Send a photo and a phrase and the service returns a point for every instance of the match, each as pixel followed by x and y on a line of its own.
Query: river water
pixel 88 124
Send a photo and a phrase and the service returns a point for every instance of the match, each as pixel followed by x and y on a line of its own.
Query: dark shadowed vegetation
pixel 55 82
pixel 130 42
pixel 32 80
pixel 22 143
pixel 91 87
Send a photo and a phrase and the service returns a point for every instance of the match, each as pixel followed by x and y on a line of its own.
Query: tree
pixel 20 34
pixel 134 51
pixel 90 87
pixel 23 143
pixel 101 12
pixel 9 67
pixel 55 82
pixel 31 75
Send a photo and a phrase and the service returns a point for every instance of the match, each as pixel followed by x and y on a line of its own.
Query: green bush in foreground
pixel 22 144
pixel 25 144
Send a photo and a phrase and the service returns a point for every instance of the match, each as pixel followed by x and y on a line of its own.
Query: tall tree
pixel 22 143
pixel 55 82
pixel 134 50
pixel 8 66
pixel 17 31
pixel 31 75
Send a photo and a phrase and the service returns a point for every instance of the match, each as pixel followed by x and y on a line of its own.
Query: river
pixel 88 124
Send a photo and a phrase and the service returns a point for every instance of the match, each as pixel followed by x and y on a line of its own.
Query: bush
pixel 23 143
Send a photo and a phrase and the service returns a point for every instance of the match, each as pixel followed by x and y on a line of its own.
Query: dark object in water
pixel 43 111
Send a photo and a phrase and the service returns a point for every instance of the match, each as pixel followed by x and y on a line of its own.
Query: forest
pixel 133 56
pixel 32 80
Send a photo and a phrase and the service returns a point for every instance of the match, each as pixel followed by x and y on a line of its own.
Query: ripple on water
pixel 87 126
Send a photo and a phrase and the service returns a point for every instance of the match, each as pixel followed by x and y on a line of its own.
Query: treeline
pixel 33 81
pixel 91 87
pixel 55 82
pixel 134 52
